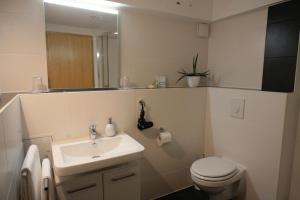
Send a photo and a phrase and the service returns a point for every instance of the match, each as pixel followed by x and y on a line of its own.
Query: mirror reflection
pixel 159 49
pixel 82 47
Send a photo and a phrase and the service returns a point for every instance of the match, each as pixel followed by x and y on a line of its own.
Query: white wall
pixel 288 146
pixel 256 141
pixel 180 111
pixel 226 8
pixel 11 150
pixel 199 120
pixel 154 45
pixel 236 50
pixel 23 48
pixel 295 172
pixel 263 141
pixel 295 184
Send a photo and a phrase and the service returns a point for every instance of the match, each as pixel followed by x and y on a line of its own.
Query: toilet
pixel 221 178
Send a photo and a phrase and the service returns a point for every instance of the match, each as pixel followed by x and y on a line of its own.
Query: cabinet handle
pixel 81 189
pixel 122 177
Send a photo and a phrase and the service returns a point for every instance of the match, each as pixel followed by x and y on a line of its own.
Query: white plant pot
pixel 193 81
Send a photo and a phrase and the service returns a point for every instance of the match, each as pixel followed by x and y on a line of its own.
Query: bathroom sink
pixel 83 156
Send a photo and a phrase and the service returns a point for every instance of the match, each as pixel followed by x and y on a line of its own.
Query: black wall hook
pixel 142 123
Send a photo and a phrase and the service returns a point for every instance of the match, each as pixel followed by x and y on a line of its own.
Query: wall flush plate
pixel 237 107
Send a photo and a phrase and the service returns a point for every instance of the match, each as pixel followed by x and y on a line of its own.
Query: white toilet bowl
pixel 222 179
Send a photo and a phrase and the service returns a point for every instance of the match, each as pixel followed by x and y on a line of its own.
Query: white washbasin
pixel 83 156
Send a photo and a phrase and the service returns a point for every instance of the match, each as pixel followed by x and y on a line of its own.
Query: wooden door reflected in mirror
pixel 82 48
pixel 70 60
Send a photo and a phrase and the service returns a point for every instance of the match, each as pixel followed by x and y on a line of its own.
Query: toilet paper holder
pixel 163 137
pixel 161 129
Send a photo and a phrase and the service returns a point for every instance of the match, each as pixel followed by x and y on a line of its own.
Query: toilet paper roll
pixel 164 138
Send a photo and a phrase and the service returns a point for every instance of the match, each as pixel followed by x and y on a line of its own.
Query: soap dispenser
pixel 110 129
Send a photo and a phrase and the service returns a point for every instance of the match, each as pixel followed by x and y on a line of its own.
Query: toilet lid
pixel 213 167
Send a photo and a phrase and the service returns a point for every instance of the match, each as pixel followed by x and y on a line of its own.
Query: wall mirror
pixel 82 46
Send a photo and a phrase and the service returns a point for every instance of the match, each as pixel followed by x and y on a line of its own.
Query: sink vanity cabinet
pixel 120 182
pixel 88 186
pixel 105 169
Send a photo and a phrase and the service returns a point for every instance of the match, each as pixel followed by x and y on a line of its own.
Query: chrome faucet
pixel 93 132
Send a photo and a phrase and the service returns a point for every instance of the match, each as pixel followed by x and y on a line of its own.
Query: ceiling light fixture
pixel 95 5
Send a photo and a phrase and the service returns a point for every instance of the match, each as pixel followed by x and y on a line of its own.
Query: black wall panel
pixel 281 47
pixel 275 75
pixel 281 40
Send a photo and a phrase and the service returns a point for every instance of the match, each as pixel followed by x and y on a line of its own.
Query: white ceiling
pixel 201 10
pixel 68 16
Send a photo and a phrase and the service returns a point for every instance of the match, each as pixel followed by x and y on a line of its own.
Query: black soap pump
pixel 142 123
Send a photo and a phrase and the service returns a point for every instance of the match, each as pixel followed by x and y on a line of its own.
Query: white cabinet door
pixel 85 187
pixel 122 183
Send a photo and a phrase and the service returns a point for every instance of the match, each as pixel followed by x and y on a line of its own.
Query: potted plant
pixel 193 78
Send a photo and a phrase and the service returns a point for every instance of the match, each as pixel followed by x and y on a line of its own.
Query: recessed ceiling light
pixel 95 5
pixel 116 33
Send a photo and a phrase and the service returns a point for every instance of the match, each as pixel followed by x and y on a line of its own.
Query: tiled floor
pixel 186 194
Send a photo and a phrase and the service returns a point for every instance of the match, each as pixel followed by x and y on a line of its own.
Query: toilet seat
pixel 216 175
pixel 215 172
pixel 222 178
pixel 213 167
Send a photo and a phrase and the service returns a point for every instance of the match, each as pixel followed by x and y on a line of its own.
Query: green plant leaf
pixel 180 72
pixel 203 74
pixel 195 61
pixel 180 78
